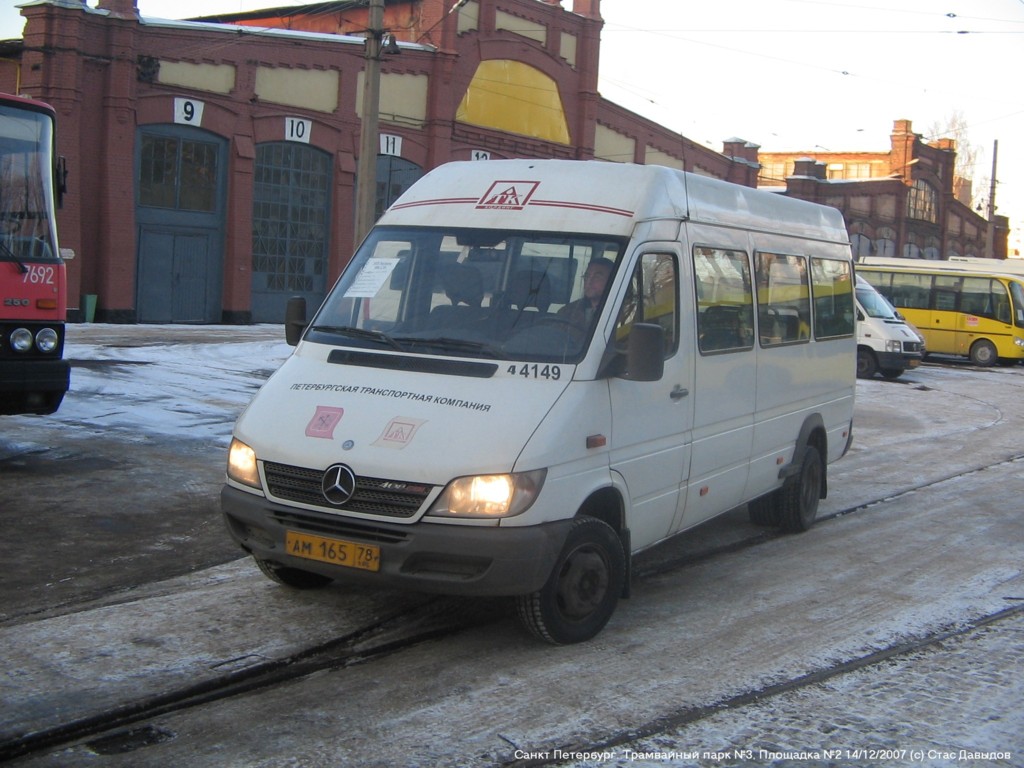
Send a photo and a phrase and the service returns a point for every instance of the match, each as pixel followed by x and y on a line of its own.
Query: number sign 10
pixel 297 129
pixel 188 112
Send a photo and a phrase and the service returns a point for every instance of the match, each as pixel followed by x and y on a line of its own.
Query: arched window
pixel 922 202
pixel 290 227
pixel 861 245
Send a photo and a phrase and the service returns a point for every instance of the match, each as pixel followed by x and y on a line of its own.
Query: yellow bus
pixel 960 308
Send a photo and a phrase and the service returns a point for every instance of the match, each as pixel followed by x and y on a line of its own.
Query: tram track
pixel 690 715
pixel 442 617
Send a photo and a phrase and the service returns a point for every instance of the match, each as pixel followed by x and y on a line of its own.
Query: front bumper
pixel 32 385
pixel 424 557
pixel 898 360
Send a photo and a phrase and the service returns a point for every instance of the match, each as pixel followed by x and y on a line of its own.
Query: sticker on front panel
pixel 324 421
pixel 398 433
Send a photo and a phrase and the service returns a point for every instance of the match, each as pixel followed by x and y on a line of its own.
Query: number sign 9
pixel 188 112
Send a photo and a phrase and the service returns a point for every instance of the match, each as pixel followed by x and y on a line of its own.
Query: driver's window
pixel 652 297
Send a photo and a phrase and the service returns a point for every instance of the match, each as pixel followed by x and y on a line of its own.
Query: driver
pixel 581 312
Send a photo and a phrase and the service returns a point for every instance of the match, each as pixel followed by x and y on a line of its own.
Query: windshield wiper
pixel 452 345
pixel 14 257
pixel 361 333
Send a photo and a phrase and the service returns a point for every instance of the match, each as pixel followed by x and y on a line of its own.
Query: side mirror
pixel 645 353
pixel 294 320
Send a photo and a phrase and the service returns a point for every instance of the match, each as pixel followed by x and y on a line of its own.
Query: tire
pixel 866 364
pixel 764 510
pixel 983 353
pixel 583 589
pixel 798 498
pixel 891 373
pixel 292 577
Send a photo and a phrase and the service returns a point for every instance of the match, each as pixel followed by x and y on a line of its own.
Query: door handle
pixel 678 392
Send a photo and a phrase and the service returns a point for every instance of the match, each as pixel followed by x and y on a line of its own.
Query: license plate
pixel 366 557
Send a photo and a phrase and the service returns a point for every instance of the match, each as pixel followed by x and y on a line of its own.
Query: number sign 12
pixel 188 112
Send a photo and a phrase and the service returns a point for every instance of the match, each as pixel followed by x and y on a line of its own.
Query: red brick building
pixel 213 163
pixel 905 202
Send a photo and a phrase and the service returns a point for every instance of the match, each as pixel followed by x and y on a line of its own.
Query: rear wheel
pixel 583 589
pixel 291 577
pixel 798 498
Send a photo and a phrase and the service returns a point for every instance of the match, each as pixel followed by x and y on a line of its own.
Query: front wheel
pixel 983 352
pixel 866 364
pixel 583 589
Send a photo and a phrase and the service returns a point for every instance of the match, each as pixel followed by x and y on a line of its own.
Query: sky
pixel 799 74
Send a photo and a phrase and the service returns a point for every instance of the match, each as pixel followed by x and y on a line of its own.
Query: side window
pixel 783 299
pixel 725 302
pixel 652 298
pixel 832 288
pixel 945 290
pixel 908 291
pixel 985 298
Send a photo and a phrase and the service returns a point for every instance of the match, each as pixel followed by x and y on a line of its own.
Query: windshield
pixel 1017 295
pixel 26 191
pixel 875 304
pixel 502 295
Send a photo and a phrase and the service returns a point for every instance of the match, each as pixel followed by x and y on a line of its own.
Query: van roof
pixel 600 197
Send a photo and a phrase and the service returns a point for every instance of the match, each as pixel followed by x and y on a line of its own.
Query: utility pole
pixel 990 232
pixel 366 169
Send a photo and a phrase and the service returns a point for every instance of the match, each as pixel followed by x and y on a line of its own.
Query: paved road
pixel 762 647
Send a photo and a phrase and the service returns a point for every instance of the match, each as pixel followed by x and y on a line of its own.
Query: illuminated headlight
pixel 490 495
pixel 47 340
pixel 21 340
pixel 1018 341
pixel 242 464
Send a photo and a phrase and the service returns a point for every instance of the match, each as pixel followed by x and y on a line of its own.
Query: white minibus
pixel 532 370
pixel 886 343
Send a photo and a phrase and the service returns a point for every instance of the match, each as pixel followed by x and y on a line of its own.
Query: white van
pixel 886 343
pixel 460 417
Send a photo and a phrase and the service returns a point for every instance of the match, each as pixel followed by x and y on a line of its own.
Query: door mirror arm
pixel 294 320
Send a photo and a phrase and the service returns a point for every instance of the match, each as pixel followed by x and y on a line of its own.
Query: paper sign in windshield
pixel 371 278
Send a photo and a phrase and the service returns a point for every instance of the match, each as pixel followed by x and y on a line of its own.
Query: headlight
pixel 21 340
pixel 47 340
pixel 242 464
pixel 489 495
pixel 1018 341
pixel 894 345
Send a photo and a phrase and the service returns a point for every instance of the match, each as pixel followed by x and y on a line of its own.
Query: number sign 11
pixel 188 112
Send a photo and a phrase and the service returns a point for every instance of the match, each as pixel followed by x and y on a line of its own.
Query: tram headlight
pixel 21 340
pixel 47 340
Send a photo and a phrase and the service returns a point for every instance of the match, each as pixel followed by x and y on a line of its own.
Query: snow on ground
pixel 167 380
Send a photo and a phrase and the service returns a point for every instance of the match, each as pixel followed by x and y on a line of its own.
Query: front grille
pixel 332 525
pixel 911 346
pixel 373 496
